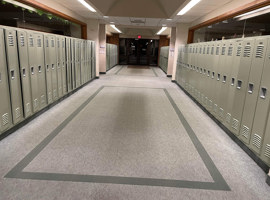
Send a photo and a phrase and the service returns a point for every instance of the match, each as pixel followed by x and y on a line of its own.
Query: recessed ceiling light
pixel 190 5
pixel 87 5
pixel 113 26
pixel 164 25
pixel 106 17
pixel 169 19
pixel 112 22
pixel 161 30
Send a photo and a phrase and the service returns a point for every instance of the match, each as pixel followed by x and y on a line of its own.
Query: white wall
pixel 102 48
pixel 181 38
pixel 171 51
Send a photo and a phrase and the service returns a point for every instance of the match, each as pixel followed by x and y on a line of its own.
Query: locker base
pixel 259 162
pixel 102 72
pixel 268 179
pixel 29 119
pixel 162 70
pixel 169 76
pixel 111 68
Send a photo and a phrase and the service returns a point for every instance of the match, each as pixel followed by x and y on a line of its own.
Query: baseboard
pixel 102 72
pixel 268 180
pixel 174 81
pixel 170 76
pixel 111 68
pixel 259 162
pixel 162 70
pixel 29 119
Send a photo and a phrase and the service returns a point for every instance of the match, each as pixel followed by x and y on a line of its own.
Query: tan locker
pixel 5 107
pixel 242 84
pixel 53 64
pixel 64 65
pixel 48 68
pixel 77 63
pixel 69 64
pixel 14 75
pixel 59 66
pixel 252 93
pixel 265 154
pixel 73 62
pixel 24 72
pixel 238 48
pixel 41 70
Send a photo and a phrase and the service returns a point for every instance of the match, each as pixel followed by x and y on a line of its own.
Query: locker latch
pixel 250 88
pixel 12 73
pixel 263 93
pixel 239 84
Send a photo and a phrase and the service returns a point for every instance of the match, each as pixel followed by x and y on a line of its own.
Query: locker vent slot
pixel 247 51
pixel 221 113
pixel 217 51
pixel 235 124
pixel 203 50
pixel 31 42
pixel 263 93
pixel 17 113
pixel 233 81
pixel 27 107
pixel 39 42
pixel 212 51
pixel 245 131
pixel 35 103
pixel 259 52
pixel 5 119
pixel 267 150
pixel 43 99
pixel 22 41
pixel 208 49
pixel 10 40
pixel 257 141
pixel 223 51
pixel 230 51
pixel 47 43
pixel 52 43
pixel 228 118
pixel 239 49
pixel 215 108
pixel 250 88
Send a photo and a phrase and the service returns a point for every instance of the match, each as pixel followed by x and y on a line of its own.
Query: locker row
pixel 36 69
pixel 163 58
pixel 230 78
pixel 111 56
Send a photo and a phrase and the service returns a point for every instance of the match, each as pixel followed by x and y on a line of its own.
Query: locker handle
pixel 224 79
pixel 0 77
pixel 12 73
pixel 263 93
pixel 239 84
pixel 218 77
pixel 213 75
pixel 233 81
pixel 52 66
pixel 47 66
pixel 32 70
pixel 39 69
pixel 23 72
pixel 250 88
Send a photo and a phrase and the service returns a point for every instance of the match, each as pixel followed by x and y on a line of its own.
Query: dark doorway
pixel 138 51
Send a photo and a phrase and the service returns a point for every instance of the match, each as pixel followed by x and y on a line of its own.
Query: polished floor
pixel 132 134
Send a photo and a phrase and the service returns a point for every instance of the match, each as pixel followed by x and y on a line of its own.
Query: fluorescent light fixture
pixel 190 5
pixel 161 30
pixel 113 26
pixel 169 19
pixel 254 13
pixel 21 5
pixel 87 5
pixel 164 25
pixel 106 17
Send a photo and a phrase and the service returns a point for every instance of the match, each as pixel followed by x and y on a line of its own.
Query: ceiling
pixel 143 13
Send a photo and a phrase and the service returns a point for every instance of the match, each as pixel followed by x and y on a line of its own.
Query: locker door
pixel 68 63
pixel 59 66
pixel 242 84
pixel 265 155
pixel 234 67
pixel 48 69
pixel 5 107
pixel 14 75
pixel 25 72
pixel 90 60
pixel 64 65
pixel 259 98
pixel 41 70
pixel 32 55
pixel 82 60
pixel 93 50
pixel 77 63
pixel 53 64
pixel 73 67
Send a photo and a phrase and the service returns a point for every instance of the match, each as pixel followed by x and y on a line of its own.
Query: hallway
pixel 132 134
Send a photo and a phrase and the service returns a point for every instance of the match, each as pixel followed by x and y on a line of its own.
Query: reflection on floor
pixel 132 134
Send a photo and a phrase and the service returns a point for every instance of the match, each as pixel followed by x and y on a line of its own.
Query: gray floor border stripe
pixel 218 184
